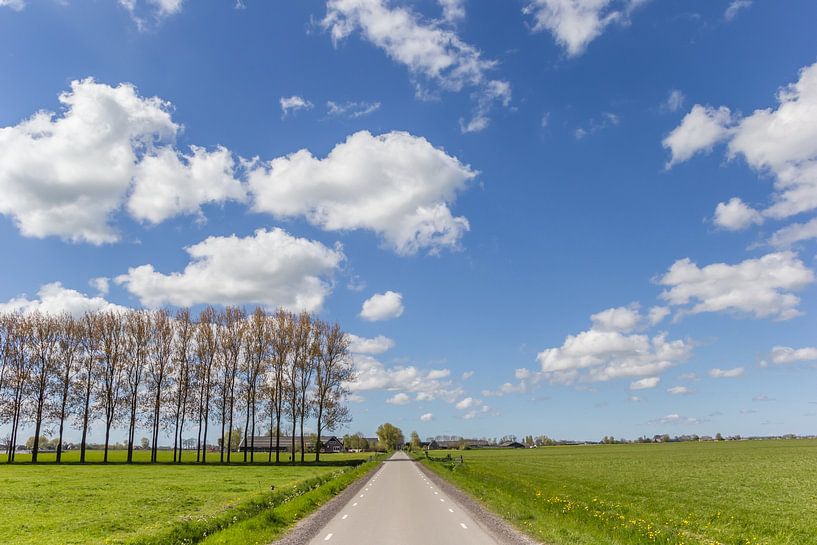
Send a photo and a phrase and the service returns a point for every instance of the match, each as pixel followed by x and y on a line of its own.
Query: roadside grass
pixel 731 493
pixel 118 503
pixel 272 523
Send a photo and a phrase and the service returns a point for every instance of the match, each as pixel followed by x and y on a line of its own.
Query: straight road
pixel 400 506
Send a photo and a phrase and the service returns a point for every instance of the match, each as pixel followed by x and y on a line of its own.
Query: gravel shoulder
pixel 310 526
pixel 496 526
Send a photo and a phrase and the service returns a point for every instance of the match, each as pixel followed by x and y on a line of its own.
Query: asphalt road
pixel 400 506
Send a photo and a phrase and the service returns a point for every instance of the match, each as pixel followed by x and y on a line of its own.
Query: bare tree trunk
pixel 223 421
pixel 62 416
pixel 176 423
pixel 85 416
pixel 318 440
pixel 181 425
pixel 271 424
pixel 131 429
pixel 230 433
pixel 246 427
pixel 278 431
pixel 38 423
pixel 201 416
pixel 107 440
pixel 206 418
pixel 252 432
pixel 18 402
pixel 302 438
pixel 156 409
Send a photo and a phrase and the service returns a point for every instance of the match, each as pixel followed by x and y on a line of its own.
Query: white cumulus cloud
pixel 759 287
pixel 68 174
pixel 270 267
pixel 736 215
pixel 453 10
pixel 680 390
pixel 54 298
pixel 608 350
pixel 726 373
pixel 16 5
pixel 170 183
pixel 432 53
pixel 622 319
pixel 399 399
pixel 676 418
pixel 794 233
pixel 372 374
pixel 576 23
pixel 785 354
pixel 395 184
pixel 645 383
pixel 427 417
pixel 142 12
pixel 382 306
pixel 363 345
pixel 352 109
pixel 700 130
pixel 780 141
pixel 293 104
pixel 735 7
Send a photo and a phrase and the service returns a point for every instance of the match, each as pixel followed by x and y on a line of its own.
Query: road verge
pixel 493 524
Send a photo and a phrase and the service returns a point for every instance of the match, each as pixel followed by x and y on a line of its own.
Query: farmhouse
pixel 457 443
pixel 511 444
pixel 330 443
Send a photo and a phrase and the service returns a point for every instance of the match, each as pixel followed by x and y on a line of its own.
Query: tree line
pixel 173 372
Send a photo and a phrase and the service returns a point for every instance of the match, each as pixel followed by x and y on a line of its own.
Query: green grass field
pixel 750 492
pixel 117 503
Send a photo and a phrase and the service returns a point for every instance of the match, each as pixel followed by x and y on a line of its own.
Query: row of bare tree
pixel 169 372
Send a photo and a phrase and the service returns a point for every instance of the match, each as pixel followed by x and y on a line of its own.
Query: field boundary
pixel 490 521
pixel 193 529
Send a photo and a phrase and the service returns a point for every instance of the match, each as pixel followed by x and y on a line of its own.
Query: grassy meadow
pixel 94 503
pixel 732 493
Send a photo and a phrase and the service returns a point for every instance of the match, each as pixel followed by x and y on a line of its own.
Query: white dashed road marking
pixel 464 527
pixel 328 537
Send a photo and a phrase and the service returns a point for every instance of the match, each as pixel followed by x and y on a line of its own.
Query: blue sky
pixel 492 174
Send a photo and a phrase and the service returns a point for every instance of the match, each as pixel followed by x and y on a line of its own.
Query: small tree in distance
pixel 415 441
pixel 390 436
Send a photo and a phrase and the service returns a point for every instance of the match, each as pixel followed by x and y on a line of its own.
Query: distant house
pixel 329 443
pixel 333 444
pixel 511 444
pixel 457 443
